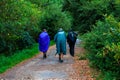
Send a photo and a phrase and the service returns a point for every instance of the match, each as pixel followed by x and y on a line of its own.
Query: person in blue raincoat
pixel 44 42
pixel 60 39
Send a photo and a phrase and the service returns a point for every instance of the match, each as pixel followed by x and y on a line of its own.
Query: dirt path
pixel 50 69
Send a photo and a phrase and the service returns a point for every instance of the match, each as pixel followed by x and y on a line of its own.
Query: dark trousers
pixel 72 45
pixel 44 54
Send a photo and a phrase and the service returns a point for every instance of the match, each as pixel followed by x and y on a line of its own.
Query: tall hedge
pixel 86 13
pixel 14 20
pixel 21 22
pixel 103 45
pixel 52 16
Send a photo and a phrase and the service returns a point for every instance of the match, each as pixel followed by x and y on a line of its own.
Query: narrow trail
pixel 50 69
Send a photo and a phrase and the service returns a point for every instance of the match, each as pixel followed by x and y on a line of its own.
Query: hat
pixel 60 29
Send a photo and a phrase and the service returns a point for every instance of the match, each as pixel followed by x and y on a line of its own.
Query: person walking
pixel 60 39
pixel 71 39
pixel 44 42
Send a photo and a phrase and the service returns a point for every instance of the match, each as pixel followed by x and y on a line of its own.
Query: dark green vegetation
pixel 103 45
pixel 97 20
pixel 7 62
pixel 21 21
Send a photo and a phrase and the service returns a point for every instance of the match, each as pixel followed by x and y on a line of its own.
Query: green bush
pixel 86 13
pixel 21 22
pixel 17 18
pixel 104 46
pixel 17 57
pixel 25 40
pixel 53 17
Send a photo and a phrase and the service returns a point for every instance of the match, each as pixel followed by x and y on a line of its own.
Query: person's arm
pixel 48 39
pixel 39 39
pixel 55 37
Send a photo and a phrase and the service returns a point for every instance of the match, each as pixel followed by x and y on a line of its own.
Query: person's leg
pixel 72 49
pixel 44 55
pixel 60 57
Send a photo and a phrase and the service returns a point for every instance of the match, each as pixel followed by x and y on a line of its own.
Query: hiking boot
pixel 44 56
pixel 61 61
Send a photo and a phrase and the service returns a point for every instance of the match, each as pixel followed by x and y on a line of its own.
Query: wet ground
pixel 38 68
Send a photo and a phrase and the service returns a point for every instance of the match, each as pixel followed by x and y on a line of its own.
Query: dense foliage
pixel 100 20
pixel 14 20
pixel 87 12
pixel 103 45
pixel 103 42
pixel 53 17
pixel 21 22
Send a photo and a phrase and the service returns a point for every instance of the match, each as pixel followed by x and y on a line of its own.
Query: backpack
pixel 72 36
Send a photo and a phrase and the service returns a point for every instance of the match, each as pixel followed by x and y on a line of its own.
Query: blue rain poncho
pixel 60 39
pixel 44 42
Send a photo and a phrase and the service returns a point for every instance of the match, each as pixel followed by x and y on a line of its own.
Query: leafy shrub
pixel 87 12
pixel 25 40
pixel 2 44
pixel 104 46
pixel 21 21
pixel 17 17
pixel 53 17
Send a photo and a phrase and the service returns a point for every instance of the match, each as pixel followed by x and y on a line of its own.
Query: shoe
pixel 72 54
pixel 44 56
pixel 61 61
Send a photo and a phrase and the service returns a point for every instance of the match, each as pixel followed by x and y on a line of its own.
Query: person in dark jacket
pixel 71 39
pixel 60 39
pixel 44 42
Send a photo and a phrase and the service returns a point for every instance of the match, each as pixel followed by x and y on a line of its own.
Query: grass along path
pixel 10 61
pixel 50 69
